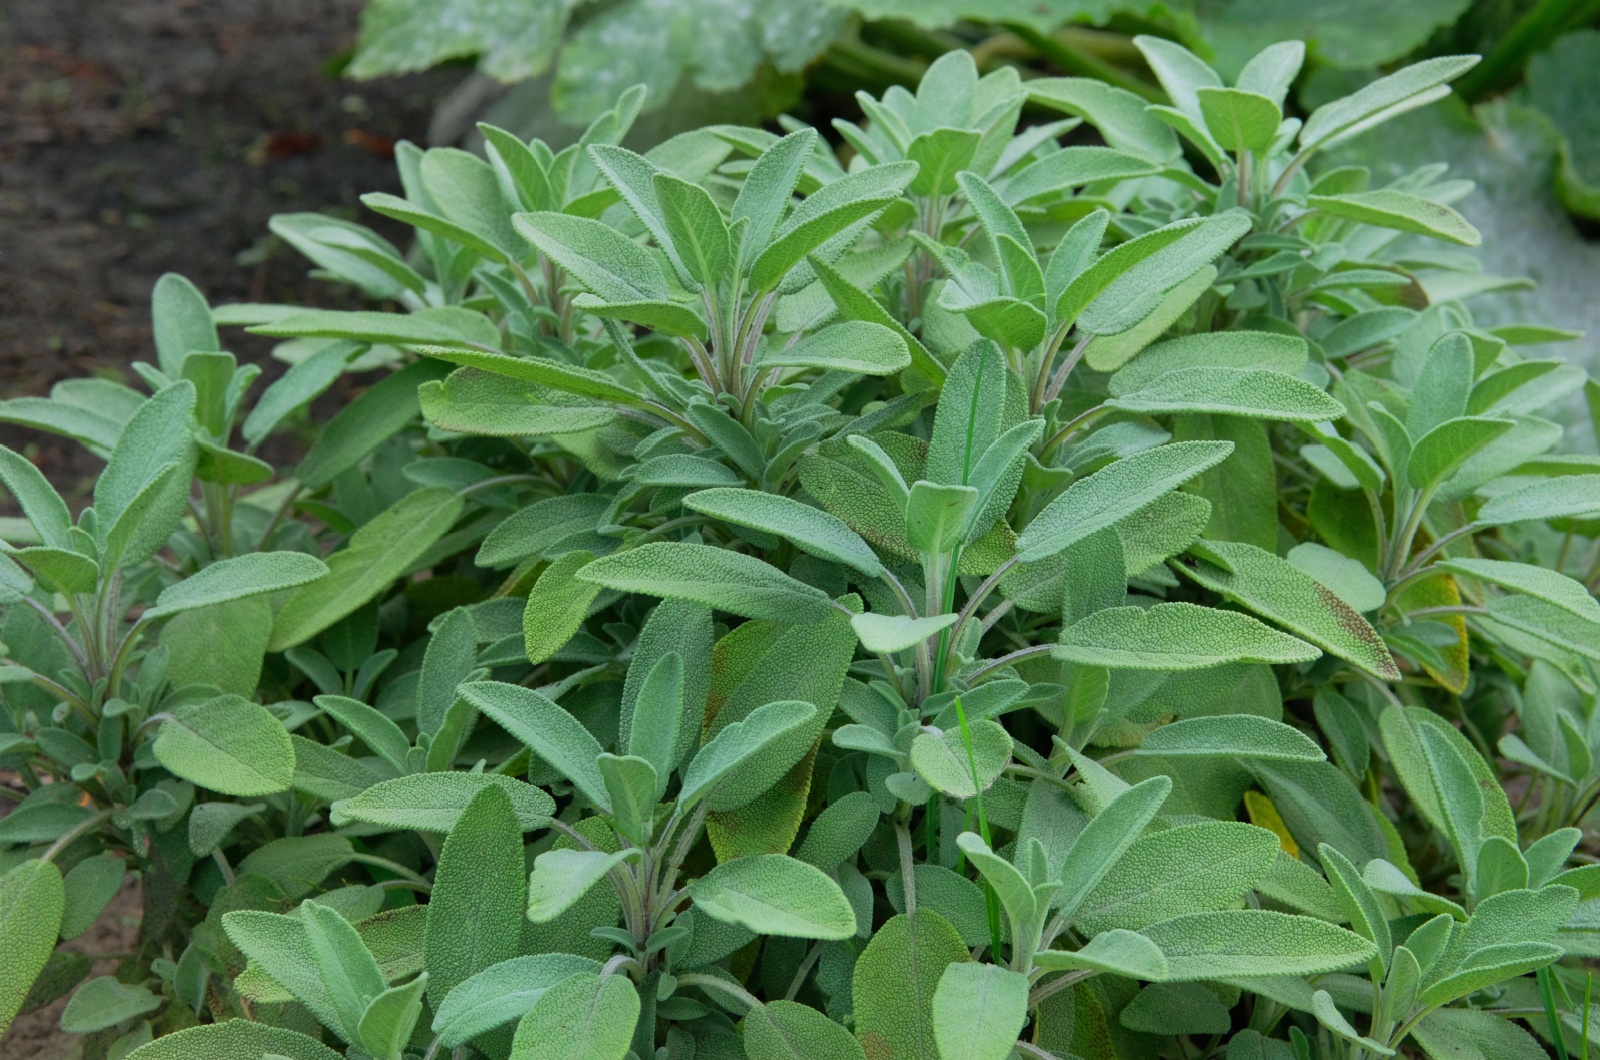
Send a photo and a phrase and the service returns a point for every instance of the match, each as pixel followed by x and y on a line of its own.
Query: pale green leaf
pixel 772 894
pixel 1176 636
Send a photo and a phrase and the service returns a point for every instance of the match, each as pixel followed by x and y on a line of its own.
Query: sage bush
pixel 953 597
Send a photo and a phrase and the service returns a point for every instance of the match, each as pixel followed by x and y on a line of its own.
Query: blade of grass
pixel 1547 992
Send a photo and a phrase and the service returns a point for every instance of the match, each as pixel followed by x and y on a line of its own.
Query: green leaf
pixel 787 1030
pixel 1329 1016
pixel 542 371
pixel 447 326
pixel 978 1011
pixel 1231 392
pixel 856 304
pixel 375 556
pixel 607 263
pixel 180 319
pixel 765 195
pixel 104 1002
pixel 235 1039
pixel 1275 589
pixel 811 529
pixel 480 895
pixel 502 993
pixel 237 578
pixel 465 189
pixel 1254 942
pixel 839 831
pixel 450 656
pixel 372 728
pixel 90 886
pixel 1438 454
pixel 1360 905
pixel 146 481
pixel 941 154
pixel 59 569
pixel 32 900
pixel 772 894
pixel 859 346
pixel 428 221
pixel 222 646
pixel 1108 835
pixel 1474 1034
pixel 47 513
pixel 695 228
pixel 831 212
pixel 763 744
pixel 658 717
pixel 346 968
pixel 1401 211
pixel 541 526
pixel 1119 952
pixel 557 605
pixel 386 1026
pixel 433 802
pixel 943 762
pixel 1126 285
pixel 227 744
pixel 727 581
pixel 674 627
pixel 1208 865
pixel 472 401
pixel 891 633
pixel 561 877
pixel 1547 585
pixel 1015 893
pixel 1412 86
pixel 1071 167
pixel 894 981
pixel 1176 637
pixel 1568 497
pixel 1232 736
pixel 634 788
pixel 1239 120
pixel 1443 387
pixel 1264 350
pixel 1490 965
pixel 554 735
pixel 937 516
pixel 584 1017
pixel 308 968
pixel 1115 492
pixel 1348 578
pixel 1118 114
pixel 365 423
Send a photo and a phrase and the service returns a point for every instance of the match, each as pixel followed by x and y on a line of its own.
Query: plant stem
pixel 78 830
pixel 1536 28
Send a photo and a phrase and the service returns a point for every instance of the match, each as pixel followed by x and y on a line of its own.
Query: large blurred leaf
pixel 1564 83
pixel 720 46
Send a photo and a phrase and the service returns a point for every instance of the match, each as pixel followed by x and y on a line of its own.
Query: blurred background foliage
pixel 1524 125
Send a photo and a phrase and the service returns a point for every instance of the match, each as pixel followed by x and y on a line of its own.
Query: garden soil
pixel 144 136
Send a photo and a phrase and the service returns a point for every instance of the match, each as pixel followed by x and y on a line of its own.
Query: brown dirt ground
pixel 142 136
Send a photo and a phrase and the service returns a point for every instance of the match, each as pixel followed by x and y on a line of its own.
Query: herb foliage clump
pixel 981 598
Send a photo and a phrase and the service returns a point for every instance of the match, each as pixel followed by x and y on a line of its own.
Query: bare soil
pixel 144 136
